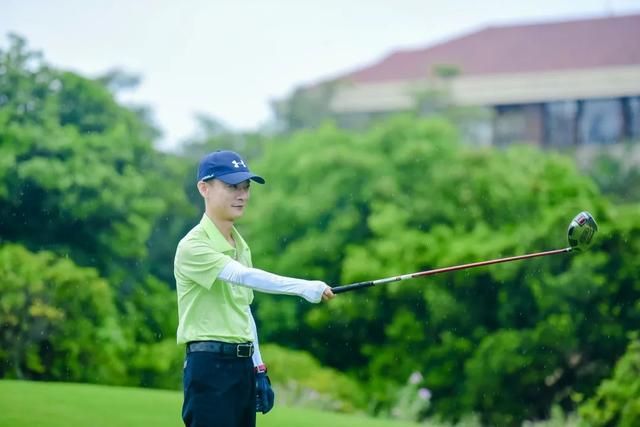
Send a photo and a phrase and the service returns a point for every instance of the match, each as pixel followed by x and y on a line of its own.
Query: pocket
pixel 186 374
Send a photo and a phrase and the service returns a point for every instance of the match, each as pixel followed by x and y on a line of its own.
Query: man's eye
pixel 237 186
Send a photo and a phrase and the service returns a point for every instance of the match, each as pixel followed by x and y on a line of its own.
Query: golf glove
pixel 265 398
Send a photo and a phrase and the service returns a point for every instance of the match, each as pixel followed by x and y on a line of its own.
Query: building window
pixel 632 117
pixel 601 121
pixel 560 123
pixel 517 123
pixel 510 124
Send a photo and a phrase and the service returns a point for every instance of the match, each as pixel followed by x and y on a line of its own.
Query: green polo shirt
pixel 208 308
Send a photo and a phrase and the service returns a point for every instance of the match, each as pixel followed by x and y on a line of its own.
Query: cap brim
pixel 238 177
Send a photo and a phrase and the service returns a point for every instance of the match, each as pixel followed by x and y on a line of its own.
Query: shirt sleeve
pixel 263 281
pixel 198 262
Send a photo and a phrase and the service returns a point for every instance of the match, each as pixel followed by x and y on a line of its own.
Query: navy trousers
pixel 219 391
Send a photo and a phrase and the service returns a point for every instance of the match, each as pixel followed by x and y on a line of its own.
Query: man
pixel 225 380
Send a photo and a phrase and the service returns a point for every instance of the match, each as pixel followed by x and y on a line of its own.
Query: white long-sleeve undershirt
pixel 263 281
pixel 257 357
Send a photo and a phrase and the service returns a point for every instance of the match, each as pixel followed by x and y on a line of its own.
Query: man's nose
pixel 243 194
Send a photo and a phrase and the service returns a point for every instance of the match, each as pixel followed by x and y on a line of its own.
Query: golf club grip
pixel 351 287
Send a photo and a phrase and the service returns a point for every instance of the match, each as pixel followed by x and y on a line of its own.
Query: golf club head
pixel 581 231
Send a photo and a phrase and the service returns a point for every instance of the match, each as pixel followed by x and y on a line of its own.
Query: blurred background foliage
pixel 91 212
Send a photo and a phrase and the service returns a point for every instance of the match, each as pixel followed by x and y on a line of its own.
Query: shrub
pixel 300 380
pixel 617 401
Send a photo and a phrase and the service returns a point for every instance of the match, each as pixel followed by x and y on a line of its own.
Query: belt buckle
pixel 240 353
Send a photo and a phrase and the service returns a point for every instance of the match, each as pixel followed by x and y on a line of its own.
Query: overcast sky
pixel 229 59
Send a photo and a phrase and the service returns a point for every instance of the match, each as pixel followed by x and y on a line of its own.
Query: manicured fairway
pixel 37 404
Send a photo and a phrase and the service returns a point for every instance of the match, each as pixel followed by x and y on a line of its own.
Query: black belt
pixel 222 348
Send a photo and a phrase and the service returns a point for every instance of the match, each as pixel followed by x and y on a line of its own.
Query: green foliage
pixel 557 419
pixel 528 363
pixel 617 401
pixel 301 380
pixel 157 365
pixel 79 177
pixel 58 320
pixel 306 107
pixel 412 401
pixel 617 175
pixel 404 197
pixel 80 174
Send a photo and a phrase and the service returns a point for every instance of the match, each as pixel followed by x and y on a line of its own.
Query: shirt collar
pixel 215 235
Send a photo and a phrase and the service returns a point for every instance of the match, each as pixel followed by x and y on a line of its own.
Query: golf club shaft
pixel 354 286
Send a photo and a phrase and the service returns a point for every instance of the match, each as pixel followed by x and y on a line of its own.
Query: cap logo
pixel 236 164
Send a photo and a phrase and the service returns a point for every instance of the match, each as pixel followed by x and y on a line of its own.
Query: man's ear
pixel 203 188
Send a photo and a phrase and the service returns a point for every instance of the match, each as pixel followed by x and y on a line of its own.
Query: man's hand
pixel 317 291
pixel 265 397
pixel 327 294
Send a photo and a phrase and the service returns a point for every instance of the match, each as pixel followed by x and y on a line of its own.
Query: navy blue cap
pixel 227 166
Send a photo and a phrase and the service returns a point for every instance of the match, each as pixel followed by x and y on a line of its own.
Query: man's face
pixel 225 201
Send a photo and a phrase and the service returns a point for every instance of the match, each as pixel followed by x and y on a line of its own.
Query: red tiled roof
pixel 588 43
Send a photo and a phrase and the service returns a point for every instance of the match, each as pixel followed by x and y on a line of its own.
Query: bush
pixel 58 320
pixel 617 401
pixel 412 400
pixel 558 419
pixel 300 380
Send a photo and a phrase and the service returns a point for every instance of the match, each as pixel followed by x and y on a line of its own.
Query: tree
pixel 617 401
pixel 306 107
pixel 79 177
pixel 78 173
pixel 58 320
pixel 406 196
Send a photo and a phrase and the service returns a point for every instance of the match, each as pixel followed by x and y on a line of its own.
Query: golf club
pixel 580 233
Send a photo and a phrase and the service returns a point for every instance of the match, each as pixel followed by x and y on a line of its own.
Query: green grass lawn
pixel 39 404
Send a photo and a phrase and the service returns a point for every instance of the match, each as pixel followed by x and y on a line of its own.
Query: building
pixel 557 83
